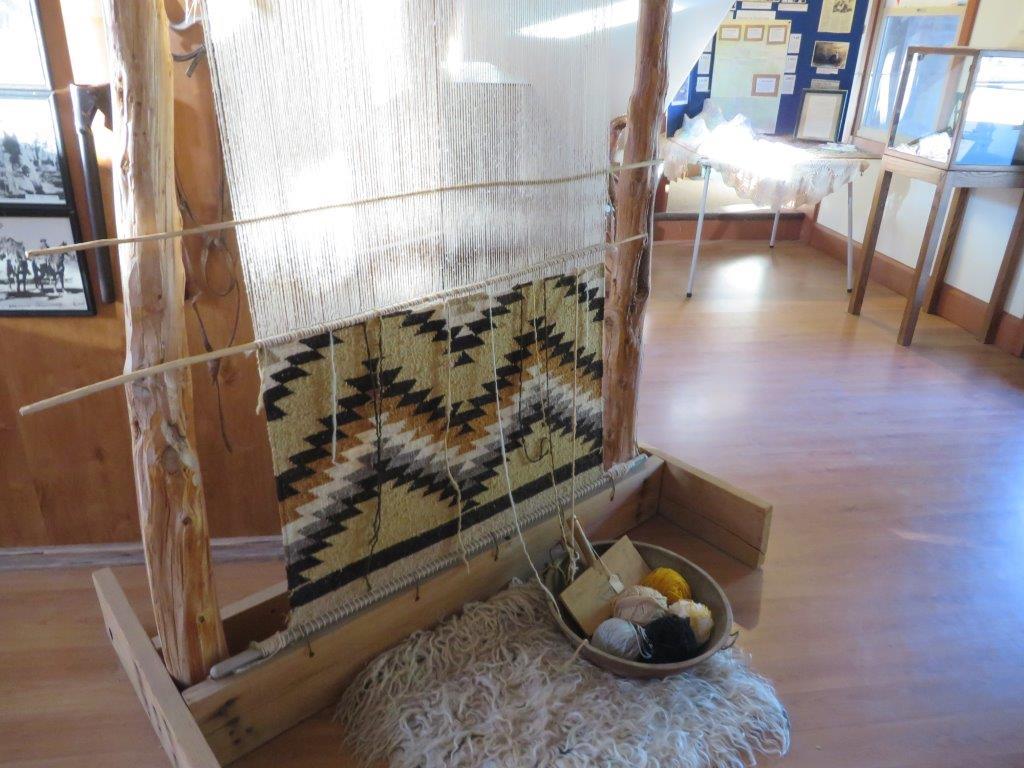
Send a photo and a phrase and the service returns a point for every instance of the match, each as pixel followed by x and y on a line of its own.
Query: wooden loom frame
pixel 202 722
pixel 215 722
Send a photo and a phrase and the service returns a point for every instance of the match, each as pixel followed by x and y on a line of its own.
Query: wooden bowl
pixel 705 590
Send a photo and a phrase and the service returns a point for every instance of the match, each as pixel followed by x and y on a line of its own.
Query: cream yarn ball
pixel 701 621
pixel 640 605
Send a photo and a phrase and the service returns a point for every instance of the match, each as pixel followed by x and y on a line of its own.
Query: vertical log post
pixel 172 509
pixel 628 272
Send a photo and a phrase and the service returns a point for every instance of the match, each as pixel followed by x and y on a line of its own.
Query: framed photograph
pixel 31 155
pixel 829 53
pixel 820 115
pixel 52 285
pixel 778 34
pixel 22 62
pixel 753 33
pixel 730 32
pixel 765 85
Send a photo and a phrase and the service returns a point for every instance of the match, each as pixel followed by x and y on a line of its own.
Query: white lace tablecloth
pixel 769 172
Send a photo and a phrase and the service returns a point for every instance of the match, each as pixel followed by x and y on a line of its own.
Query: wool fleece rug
pixel 498 686
pixel 388 453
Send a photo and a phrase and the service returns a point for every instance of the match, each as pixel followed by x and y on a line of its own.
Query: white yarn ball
pixel 699 615
pixel 640 605
pixel 617 637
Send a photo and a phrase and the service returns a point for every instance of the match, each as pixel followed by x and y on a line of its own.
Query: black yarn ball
pixel 669 639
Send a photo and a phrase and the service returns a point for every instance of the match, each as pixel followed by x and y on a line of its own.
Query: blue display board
pixel 804 19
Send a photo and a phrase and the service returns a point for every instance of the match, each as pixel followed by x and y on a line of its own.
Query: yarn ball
pixel 617 637
pixel 699 616
pixel 640 605
pixel 669 639
pixel 670 583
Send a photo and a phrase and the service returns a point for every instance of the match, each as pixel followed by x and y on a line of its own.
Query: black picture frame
pixel 43 280
pixel 44 100
pixel 44 211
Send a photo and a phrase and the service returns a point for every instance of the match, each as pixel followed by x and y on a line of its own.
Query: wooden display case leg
pixel 1007 271
pixel 870 241
pixel 958 206
pixel 925 260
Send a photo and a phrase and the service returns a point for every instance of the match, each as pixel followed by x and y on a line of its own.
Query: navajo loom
pixel 448 333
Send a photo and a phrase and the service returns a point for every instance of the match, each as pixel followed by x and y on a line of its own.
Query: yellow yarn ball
pixel 670 583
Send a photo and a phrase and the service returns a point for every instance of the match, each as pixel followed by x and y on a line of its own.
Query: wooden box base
pixel 217 721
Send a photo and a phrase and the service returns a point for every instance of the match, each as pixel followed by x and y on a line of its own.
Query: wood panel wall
pixel 65 475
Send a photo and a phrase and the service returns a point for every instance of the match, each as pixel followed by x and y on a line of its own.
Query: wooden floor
pixel 890 611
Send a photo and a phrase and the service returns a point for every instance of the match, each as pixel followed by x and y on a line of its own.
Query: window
pixel 900 28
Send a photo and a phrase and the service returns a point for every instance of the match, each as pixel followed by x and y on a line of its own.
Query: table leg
pixel 929 249
pixel 775 228
pixel 700 229
pixel 849 237
pixel 870 241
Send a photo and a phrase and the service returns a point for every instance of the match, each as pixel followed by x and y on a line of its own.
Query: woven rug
pixel 498 686
pixel 376 446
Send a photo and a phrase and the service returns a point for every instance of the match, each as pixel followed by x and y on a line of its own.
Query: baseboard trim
pixel 224 550
pixel 958 307
pixel 682 227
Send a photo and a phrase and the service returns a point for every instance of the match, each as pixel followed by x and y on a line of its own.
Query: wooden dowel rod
pixel 127 378
pixel 220 226
pixel 251 346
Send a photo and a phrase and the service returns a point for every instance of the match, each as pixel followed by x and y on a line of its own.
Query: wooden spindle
pixel 172 509
pixel 628 272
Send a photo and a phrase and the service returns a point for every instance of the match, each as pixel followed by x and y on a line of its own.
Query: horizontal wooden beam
pixel 225 550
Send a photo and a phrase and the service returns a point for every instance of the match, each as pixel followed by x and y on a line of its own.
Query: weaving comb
pixel 589 597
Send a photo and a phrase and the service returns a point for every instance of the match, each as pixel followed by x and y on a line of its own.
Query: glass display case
pixel 960 109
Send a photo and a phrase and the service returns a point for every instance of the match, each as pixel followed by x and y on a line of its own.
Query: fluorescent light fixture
pixel 586 22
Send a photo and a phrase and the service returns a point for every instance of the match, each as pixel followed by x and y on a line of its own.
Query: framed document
pixel 730 32
pixel 753 33
pixel 778 34
pixel 820 114
pixel 765 85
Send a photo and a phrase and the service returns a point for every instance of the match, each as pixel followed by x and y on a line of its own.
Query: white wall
pixel 693 24
pixel 990 213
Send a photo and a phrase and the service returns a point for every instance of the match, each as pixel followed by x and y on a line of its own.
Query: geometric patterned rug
pixel 359 420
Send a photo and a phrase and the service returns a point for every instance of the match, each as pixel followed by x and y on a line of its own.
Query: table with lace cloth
pixel 772 173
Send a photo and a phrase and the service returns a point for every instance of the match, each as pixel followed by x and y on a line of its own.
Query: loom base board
pixel 216 722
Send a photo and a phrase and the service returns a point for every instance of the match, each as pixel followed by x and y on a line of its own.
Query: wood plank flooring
pixel 889 613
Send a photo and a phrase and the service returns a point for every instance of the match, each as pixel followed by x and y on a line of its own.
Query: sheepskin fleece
pixel 498 686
